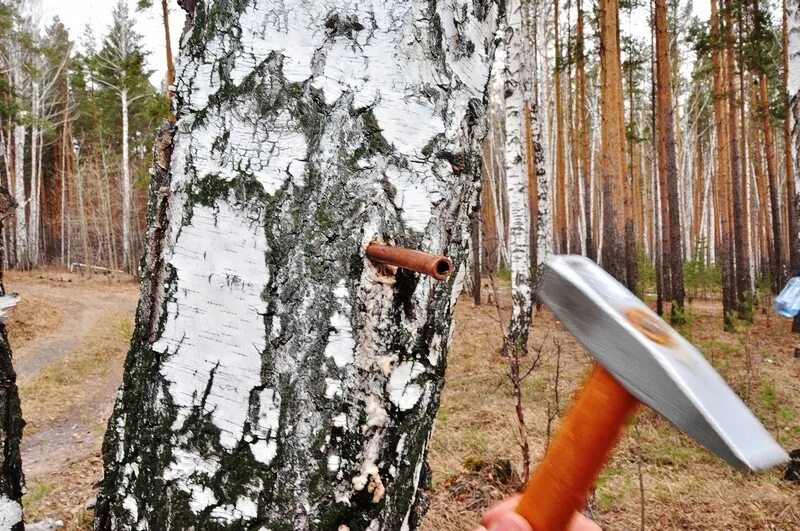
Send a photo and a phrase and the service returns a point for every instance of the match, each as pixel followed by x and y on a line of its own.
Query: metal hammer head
pixel 655 363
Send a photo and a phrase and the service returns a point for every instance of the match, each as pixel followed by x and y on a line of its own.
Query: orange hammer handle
pixel 577 454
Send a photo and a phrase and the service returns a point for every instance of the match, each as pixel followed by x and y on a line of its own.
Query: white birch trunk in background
pixel 33 175
pixel 276 379
pixel 126 186
pixel 519 222
pixel 535 22
pixel 496 143
pixel 21 247
pixel 64 181
pixel 793 87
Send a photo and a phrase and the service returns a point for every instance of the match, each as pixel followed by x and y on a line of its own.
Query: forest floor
pixel 655 470
pixel 70 335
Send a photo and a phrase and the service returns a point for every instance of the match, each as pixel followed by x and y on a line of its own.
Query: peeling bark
pixel 276 380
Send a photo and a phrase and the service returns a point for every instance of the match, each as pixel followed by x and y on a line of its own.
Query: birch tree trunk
pixel 34 180
pixel 126 186
pixel 276 379
pixel 583 134
pixel 793 89
pixel 519 224
pixel 22 255
pixel 11 423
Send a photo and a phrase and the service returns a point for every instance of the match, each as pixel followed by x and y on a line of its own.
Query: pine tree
pixel 667 139
pixel 612 158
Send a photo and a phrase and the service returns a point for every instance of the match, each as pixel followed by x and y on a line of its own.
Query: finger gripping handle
pixel 577 453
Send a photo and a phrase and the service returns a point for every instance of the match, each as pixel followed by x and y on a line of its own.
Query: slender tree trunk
pixel 583 146
pixel 561 177
pixel 765 234
pixel 722 170
pixel 84 227
pixel 126 187
pixel 517 182
pixel 791 188
pixel 699 188
pixel 742 284
pixel 12 479
pixel 168 45
pixel 490 247
pixel 774 192
pixel 612 160
pixel 314 371
pixel 22 258
pixel 33 203
pixel 475 251
pixel 667 136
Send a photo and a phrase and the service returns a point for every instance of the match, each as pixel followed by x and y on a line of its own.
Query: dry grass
pixel 474 453
pixel 31 318
pixel 53 394
pixel 64 494
pixel 58 394
pixel 685 486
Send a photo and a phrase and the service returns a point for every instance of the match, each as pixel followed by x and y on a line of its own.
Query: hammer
pixel 638 358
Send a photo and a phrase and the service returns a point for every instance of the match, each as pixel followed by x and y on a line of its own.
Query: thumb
pixel 510 521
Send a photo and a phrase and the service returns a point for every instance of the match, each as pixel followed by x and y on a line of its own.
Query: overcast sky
pixel 76 14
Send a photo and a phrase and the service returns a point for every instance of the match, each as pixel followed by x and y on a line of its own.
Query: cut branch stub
pixel 437 266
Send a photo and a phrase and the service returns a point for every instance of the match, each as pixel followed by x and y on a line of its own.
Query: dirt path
pixel 82 309
pixel 67 376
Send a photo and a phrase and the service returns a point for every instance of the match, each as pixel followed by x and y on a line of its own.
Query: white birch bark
pixel 496 143
pixel 33 173
pixel 126 185
pixel 793 87
pixel 21 247
pixel 276 379
pixel 535 23
pixel 511 35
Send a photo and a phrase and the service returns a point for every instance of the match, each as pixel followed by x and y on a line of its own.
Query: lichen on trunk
pixel 276 379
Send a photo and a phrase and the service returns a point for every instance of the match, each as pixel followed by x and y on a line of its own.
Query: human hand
pixel 502 517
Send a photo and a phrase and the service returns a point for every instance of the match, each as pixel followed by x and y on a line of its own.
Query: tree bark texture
pixel 126 185
pixel 791 188
pixel 793 89
pixel 583 146
pixel 11 423
pixel 739 240
pixel 519 220
pixel 22 256
pixel 276 378
pixel 667 136
pixel 560 167
pixel 612 158
pixel 722 164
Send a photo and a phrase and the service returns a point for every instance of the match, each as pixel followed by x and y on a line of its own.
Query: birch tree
pixel 276 378
pixel 11 423
pixel 119 66
pixel 792 14
pixel 519 224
